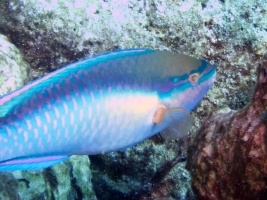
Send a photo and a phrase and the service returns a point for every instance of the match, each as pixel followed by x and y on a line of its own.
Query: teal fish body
pixel 100 104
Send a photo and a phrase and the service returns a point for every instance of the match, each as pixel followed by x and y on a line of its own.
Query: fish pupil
pixel 194 78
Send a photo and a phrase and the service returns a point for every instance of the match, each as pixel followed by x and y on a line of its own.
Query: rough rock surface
pixel 8 187
pixel 13 68
pixel 228 159
pixel 68 180
pixel 49 34
pixel 132 174
pixel 231 35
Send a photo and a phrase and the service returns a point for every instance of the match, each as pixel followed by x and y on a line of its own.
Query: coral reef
pixel 8 187
pixel 137 173
pixel 49 34
pixel 159 189
pixel 69 180
pixel 228 159
pixel 13 69
pixel 230 35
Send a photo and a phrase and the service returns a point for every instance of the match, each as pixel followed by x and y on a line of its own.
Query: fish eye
pixel 193 78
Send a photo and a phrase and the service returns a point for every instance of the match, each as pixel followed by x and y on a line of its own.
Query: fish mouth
pixel 209 75
pixel 213 76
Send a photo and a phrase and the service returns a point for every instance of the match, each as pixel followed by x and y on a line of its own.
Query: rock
pixel 228 158
pixel 68 180
pixel 50 34
pixel 13 68
pixel 132 174
pixel 8 187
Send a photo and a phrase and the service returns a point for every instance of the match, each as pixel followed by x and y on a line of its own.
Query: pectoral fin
pixel 31 163
pixel 173 123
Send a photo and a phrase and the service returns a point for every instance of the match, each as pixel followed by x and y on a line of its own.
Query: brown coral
pixel 228 157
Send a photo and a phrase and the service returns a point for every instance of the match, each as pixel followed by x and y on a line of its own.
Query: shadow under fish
pixel 156 189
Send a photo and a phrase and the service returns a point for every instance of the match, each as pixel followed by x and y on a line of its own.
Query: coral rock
pixel 228 157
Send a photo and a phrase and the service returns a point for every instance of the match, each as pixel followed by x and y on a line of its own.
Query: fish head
pixel 185 81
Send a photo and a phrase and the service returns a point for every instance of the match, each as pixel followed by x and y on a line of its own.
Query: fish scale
pixel 99 104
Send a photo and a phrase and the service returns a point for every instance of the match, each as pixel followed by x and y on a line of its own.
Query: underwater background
pixel 39 36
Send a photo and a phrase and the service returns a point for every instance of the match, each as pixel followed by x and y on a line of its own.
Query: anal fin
pixel 31 163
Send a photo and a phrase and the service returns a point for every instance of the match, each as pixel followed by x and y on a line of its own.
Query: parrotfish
pixel 100 104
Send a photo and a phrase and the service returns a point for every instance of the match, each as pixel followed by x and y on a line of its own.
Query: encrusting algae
pixel 228 157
